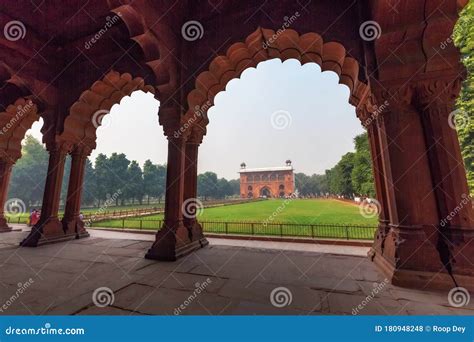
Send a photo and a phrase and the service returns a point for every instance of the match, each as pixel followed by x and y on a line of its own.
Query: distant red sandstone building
pixel 267 182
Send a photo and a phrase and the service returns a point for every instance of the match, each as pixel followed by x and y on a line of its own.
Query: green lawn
pixel 330 218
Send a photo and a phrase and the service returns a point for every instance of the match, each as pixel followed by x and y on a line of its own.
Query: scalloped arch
pixel 14 122
pixel 81 124
pixel 264 44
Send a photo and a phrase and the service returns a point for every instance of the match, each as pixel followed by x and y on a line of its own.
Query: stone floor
pixel 80 276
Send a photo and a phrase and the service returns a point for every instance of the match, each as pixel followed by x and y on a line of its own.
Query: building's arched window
pixel 281 187
pixel 265 178
pixel 250 194
pixel 249 188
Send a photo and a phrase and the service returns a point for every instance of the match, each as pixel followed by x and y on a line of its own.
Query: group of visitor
pixel 34 217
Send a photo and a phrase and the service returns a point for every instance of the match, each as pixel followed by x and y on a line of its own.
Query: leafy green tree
pixel 89 194
pixel 464 39
pixel 134 189
pixel 117 176
pixel 340 177
pixel 101 177
pixel 362 175
pixel 154 179
pixel 207 185
pixel 29 173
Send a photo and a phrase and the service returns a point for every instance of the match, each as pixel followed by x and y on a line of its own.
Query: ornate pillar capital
pixel 438 92
pixel 397 97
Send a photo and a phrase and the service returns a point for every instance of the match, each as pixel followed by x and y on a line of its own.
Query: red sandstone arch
pixel 262 46
pixel 80 125
pixel 14 122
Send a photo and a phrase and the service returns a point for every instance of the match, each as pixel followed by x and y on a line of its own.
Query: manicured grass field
pixel 330 218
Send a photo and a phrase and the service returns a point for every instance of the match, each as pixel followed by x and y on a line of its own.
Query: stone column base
pixel 47 232
pixel 196 233
pixel 421 280
pixel 4 227
pixel 172 244
pixel 409 259
pixel 75 226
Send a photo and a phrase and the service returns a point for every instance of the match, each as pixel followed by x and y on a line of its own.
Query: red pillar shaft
pixel 49 229
pixel 190 194
pixel 71 221
pixel 5 174
pixel 172 240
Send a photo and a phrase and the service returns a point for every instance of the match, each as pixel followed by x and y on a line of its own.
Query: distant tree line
pixel 351 176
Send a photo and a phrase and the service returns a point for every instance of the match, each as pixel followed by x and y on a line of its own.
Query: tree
pixel 340 181
pixel 464 39
pixel 29 173
pixel 207 185
pixel 89 193
pixel 154 179
pixel 223 188
pixel 134 189
pixel 235 185
pixel 101 177
pixel 117 176
pixel 362 176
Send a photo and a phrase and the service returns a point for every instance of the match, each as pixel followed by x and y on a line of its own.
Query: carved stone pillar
pixel 172 240
pixel 455 225
pixel 409 255
pixel 369 114
pixel 72 222
pixel 191 204
pixel 49 228
pixel 5 172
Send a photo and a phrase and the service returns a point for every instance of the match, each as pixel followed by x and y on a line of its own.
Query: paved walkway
pixel 80 276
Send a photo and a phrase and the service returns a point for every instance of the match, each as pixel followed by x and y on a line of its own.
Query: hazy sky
pixel 275 112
